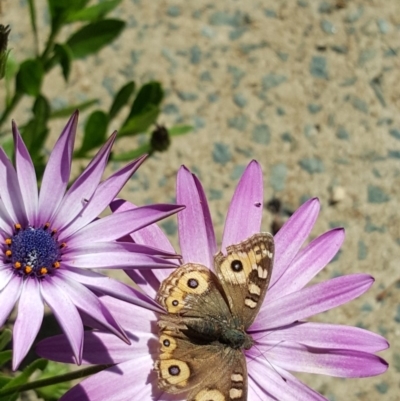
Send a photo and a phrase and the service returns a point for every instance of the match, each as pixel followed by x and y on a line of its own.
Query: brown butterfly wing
pixel 244 274
pixel 207 372
pixel 193 293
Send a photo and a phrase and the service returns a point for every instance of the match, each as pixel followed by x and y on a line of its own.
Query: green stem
pixel 50 43
pixel 54 380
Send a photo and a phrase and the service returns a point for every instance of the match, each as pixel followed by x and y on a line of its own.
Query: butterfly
pixel 203 335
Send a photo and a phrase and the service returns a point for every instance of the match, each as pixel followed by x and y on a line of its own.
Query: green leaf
pixel 11 68
pixel 55 391
pixel 8 147
pixel 10 397
pixel 140 122
pixel 35 131
pixel 4 380
pixel 26 373
pixel 65 57
pixel 5 356
pixel 67 111
pixel 60 9
pixel 121 98
pixel 179 130
pixel 149 94
pixel 5 338
pixel 29 78
pixel 95 132
pixel 91 38
pixel 93 13
pixel 133 154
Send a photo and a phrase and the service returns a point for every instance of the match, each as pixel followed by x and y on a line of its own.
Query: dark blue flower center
pixel 34 251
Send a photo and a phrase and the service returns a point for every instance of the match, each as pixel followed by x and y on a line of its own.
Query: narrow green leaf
pixel 5 338
pixel 95 132
pixel 30 77
pixel 54 391
pixel 32 15
pixel 10 397
pixel 11 68
pixel 92 37
pixel 4 380
pixel 5 356
pixel 65 57
pixel 93 13
pixel 133 154
pixel 8 147
pixel 67 111
pixel 140 122
pixel 149 94
pixel 26 373
pixel 121 99
pixel 179 130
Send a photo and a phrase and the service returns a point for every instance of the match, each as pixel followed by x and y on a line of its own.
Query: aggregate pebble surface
pixel 308 88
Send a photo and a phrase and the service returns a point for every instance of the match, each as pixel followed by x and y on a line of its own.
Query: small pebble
pixel 239 100
pixel 187 96
pixel 272 80
pixel 328 27
pixel 261 134
pixel 318 67
pixel 239 122
pixel 338 194
pixel 383 26
pixel 362 250
pixel 221 153
pixel 173 11
pixel 395 133
pixel 377 195
pixel 342 133
pixel 278 176
pixel 314 108
pixel 312 165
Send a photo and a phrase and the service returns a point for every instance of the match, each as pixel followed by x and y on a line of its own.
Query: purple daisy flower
pixel 284 340
pixel 52 238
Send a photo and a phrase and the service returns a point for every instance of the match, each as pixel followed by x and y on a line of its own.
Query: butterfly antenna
pixel 269 363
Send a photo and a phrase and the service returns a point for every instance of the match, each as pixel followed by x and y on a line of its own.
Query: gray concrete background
pixel 308 88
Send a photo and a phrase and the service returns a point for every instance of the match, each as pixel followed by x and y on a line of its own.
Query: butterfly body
pixel 203 335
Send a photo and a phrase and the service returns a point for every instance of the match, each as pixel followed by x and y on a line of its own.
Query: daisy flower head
pixel 52 238
pixel 283 339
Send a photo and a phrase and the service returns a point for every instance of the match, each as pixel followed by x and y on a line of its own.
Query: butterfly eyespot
pixel 236 266
pixel 175 302
pixel 166 343
pixel 192 283
pixel 174 370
